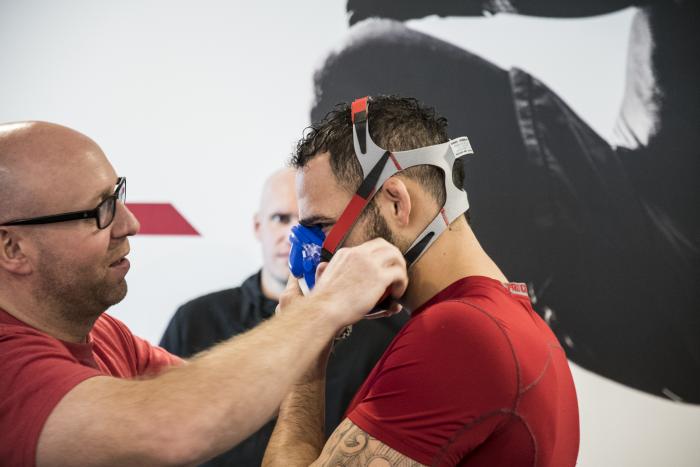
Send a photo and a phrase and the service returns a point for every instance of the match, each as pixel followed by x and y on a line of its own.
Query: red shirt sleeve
pixel 153 359
pixel 441 386
pixel 115 343
pixel 36 371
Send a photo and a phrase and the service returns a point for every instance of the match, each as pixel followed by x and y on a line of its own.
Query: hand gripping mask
pixel 378 165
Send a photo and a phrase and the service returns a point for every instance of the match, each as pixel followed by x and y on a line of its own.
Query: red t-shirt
pixel 475 378
pixel 37 370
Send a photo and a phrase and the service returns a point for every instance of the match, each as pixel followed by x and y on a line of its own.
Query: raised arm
pixel 298 438
pixel 189 414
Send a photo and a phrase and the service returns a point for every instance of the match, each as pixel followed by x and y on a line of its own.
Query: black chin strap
pixel 413 253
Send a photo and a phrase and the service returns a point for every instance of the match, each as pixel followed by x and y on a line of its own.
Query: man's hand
pixel 357 271
pixel 357 277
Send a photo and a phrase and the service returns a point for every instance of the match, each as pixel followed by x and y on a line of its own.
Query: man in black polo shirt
pixel 206 320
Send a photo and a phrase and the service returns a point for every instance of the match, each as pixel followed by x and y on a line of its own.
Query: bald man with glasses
pixel 76 386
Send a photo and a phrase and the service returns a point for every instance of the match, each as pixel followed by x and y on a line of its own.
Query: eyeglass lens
pixel 107 209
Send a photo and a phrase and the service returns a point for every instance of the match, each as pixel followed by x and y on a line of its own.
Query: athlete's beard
pixel 78 295
pixel 377 227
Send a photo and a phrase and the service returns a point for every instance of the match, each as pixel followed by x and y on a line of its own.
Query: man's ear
pixel 398 200
pixel 12 256
pixel 257 224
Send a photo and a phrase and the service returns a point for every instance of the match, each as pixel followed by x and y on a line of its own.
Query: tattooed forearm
pixel 351 446
pixel 337 435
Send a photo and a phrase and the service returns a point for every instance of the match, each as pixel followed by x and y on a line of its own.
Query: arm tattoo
pixel 350 446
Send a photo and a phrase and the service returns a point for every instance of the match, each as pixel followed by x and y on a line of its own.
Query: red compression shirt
pixel 37 370
pixel 475 378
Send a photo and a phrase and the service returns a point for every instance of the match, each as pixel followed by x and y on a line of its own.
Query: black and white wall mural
pixel 606 232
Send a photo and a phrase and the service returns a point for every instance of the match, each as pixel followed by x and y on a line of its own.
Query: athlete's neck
pixel 454 255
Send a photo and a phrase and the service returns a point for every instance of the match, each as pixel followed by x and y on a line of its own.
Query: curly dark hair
pixel 395 124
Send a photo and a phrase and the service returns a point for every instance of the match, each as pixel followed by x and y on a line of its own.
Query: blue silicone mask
pixel 305 254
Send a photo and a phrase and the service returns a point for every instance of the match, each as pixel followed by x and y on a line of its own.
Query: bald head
pixel 36 160
pixel 277 186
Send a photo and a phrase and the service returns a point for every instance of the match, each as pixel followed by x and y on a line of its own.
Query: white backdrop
pixel 196 102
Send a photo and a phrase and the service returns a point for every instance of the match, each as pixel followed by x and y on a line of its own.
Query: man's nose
pixel 285 238
pixel 125 222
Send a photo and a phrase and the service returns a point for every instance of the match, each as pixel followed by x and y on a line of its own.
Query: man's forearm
pixel 254 372
pixel 190 413
pixel 299 435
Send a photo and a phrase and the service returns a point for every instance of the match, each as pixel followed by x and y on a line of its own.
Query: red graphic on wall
pixel 161 219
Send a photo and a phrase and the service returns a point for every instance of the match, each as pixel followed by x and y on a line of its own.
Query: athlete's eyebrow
pixel 316 220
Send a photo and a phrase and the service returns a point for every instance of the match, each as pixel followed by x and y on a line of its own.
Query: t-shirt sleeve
pixel 36 372
pixel 149 359
pixel 153 359
pixel 440 390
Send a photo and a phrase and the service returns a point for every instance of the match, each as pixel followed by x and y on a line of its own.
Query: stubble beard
pixel 78 296
pixel 377 227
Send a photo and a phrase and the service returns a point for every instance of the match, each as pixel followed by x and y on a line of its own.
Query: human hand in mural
pixel 414 9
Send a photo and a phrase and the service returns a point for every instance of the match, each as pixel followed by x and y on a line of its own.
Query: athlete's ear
pixel 12 255
pixel 398 201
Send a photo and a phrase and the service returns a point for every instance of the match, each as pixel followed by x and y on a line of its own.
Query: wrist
pixel 323 311
pixel 316 373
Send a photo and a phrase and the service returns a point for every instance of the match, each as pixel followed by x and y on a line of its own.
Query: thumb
pixel 291 291
pixel 292 287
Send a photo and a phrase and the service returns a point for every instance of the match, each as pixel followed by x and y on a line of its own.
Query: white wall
pixel 195 102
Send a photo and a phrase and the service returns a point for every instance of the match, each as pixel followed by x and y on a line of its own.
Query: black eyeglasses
pixel 103 213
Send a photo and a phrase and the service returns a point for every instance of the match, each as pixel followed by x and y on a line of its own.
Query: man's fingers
pixel 397 277
pixel 385 252
pixel 391 262
pixel 395 308
pixel 359 276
